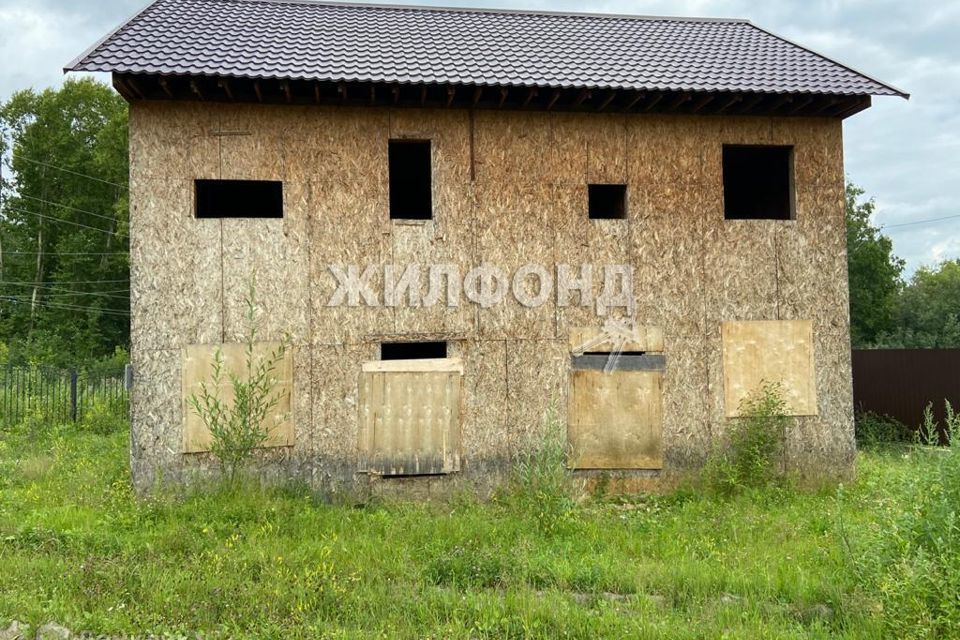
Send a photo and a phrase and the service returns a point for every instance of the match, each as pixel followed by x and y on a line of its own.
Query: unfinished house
pixel 480 229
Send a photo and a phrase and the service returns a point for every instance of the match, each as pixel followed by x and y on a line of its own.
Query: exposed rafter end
pixel 531 94
pixel 729 102
pixel 657 97
pixel 553 99
pixel 165 85
pixel 123 88
pixel 704 100
pixel 679 100
pixel 195 88
pixel 606 101
pixel 634 101
pixel 581 97
pixel 225 85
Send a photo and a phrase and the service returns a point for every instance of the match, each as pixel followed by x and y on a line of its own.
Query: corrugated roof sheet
pixel 297 39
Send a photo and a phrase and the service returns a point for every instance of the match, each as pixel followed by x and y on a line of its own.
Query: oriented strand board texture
pixel 198 371
pixel 776 352
pixel 616 420
pixel 509 190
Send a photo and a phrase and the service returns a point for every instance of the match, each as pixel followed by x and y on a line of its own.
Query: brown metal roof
pixel 331 42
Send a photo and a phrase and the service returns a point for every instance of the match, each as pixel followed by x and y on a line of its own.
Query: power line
pixel 67 293
pixel 55 219
pixel 65 206
pixel 60 282
pixel 65 170
pixel 68 307
pixel 64 289
pixel 906 224
pixel 66 253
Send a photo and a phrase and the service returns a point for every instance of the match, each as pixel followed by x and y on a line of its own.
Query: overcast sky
pixel 906 154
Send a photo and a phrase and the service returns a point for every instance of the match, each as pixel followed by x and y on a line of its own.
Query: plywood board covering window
pixel 198 367
pixel 775 351
pixel 616 419
pixel 410 416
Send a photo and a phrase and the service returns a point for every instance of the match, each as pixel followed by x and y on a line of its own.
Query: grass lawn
pixel 76 547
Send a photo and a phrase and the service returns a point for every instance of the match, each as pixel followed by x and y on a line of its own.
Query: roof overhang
pixel 136 87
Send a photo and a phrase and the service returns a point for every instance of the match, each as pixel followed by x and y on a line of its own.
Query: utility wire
pixel 69 307
pixel 65 206
pixel 906 224
pixel 70 171
pixel 60 220
pixel 57 282
pixel 74 294
pixel 66 253
pixel 59 288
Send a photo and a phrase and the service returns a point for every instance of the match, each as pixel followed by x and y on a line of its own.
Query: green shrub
pixel 912 564
pixel 540 484
pixel 874 429
pixel 104 416
pixel 752 455
pixel 239 427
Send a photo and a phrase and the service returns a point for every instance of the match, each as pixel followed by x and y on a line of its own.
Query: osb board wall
pixel 199 362
pixel 526 204
pixel 776 352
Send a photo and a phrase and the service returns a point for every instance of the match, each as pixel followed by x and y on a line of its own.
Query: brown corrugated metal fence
pixel 900 382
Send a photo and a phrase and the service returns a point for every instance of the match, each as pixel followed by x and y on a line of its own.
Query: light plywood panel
pixel 410 417
pixel 198 367
pixel 616 420
pixel 773 351
pixel 646 338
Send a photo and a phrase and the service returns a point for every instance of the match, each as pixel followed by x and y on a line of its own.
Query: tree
pixel 875 282
pixel 928 313
pixel 64 274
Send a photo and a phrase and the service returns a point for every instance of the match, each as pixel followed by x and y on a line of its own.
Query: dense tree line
pixel 64 267
pixel 885 310
pixel 64 276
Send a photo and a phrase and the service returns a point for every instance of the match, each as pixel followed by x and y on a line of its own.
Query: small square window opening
pixel 758 182
pixel 607 201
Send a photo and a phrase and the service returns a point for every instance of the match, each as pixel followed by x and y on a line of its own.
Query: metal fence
pixel 52 395
pixel 901 382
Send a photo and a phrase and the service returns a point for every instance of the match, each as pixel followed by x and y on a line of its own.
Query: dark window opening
pixel 239 198
pixel 411 191
pixel 412 350
pixel 610 353
pixel 757 182
pixel 607 201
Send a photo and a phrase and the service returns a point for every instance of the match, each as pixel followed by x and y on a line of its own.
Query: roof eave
pixel 896 91
pixel 73 64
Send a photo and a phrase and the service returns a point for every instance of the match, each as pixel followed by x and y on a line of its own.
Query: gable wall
pixel 523 201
